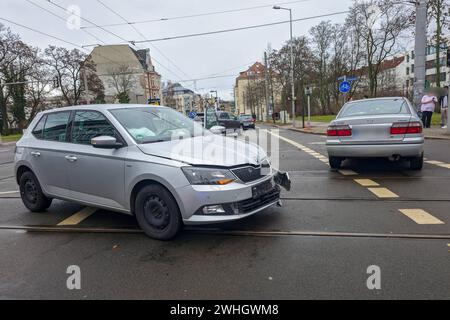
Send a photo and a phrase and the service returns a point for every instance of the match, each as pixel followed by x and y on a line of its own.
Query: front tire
pixel 31 193
pixel 335 162
pixel 416 163
pixel 157 212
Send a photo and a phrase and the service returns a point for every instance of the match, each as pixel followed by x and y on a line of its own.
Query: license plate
pixel 262 189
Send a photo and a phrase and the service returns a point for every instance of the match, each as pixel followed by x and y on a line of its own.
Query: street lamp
pixel 217 99
pixel 292 67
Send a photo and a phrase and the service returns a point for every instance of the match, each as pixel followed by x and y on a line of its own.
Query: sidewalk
pixel 320 128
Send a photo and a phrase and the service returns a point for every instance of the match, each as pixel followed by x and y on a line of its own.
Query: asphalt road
pixel 332 227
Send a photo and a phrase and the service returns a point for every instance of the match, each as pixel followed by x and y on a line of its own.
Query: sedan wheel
pixel 31 193
pixel 157 213
pixel 416 163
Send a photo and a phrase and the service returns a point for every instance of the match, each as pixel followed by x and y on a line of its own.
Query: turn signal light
pixel 406 128
pixel 339 131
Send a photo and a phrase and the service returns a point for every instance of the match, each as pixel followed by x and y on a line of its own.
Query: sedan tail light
pixel 339 131
pixel 414 127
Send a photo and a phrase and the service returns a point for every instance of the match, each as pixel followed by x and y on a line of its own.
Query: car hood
pixel 210 150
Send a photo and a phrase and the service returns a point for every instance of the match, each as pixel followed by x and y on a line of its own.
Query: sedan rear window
pixel 375 107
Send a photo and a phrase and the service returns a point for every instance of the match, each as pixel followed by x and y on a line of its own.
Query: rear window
pixel 37 131
pixel 375 107
pixel 245 116
pixel 56 126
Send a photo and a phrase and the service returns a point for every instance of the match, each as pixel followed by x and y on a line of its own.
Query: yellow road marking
pixel 77 217
pixel 348 172
pixel 8 192
pixel 420 216
pixel 383 193
pixel 366 182
pixel 444 165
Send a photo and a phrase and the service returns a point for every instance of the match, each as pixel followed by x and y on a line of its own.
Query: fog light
pixel 213 209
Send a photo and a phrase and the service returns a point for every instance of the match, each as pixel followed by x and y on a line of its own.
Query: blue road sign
pixel 344 86
pixel 192 114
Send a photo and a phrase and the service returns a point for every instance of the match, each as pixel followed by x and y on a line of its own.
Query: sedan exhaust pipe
pixel 394 158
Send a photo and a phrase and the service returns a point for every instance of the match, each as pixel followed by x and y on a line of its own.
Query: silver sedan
pixel 381 127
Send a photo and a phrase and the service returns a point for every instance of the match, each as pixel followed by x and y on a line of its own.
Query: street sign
pixel 192 114
pixel 344 86
pixel 154 101
pixel 308 91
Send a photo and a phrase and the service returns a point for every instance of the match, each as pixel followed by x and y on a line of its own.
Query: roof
pixel 385 65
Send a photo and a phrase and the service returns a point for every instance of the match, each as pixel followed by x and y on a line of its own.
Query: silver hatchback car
pixel 381 127
pixel 148 161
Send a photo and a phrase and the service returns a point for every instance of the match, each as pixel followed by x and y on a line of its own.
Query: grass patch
pixel 10 138
pixel 320 118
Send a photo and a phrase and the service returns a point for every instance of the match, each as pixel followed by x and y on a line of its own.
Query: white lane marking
pixel 383 193
pixel 420 216
pixel 5 150
pixel 9 192
pixel 439 163
pixel 78 217
pixel 320 142
pixel 367 182
pixel 445 165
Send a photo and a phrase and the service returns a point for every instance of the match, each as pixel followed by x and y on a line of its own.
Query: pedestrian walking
pixel 429 101
pixel 444 109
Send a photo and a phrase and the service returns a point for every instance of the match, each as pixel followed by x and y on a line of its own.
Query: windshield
pixel 374 107
pixel 147 125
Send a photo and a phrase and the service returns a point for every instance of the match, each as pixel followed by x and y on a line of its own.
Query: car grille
pixel 251 204
pixel 251 173
pixel 248 174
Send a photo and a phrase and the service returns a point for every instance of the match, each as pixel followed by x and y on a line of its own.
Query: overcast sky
pixel 197 57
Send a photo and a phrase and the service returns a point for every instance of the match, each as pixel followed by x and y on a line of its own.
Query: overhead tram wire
pixel 239 28
pixel 198 14
pixel 143 37
pixel 112 33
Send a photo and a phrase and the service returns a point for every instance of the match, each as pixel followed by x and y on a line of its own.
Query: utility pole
pixel 420 51
pixel 266 73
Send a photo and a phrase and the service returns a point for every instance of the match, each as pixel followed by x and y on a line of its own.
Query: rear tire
pixel 31 193
pixel 335 162
pixel 157 212
pixel 416 163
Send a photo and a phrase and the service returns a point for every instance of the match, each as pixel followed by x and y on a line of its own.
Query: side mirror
pixel 217 129
pixel 105 142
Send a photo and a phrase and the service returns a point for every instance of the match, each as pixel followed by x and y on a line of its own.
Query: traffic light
pixel 56 82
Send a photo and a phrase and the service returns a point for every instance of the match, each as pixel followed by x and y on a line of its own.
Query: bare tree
pixel 378 25
pixel 122 79
pixel 439 11
pixel 320 39
pixel 68 66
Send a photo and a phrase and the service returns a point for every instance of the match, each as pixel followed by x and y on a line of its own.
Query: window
pixel 407 71
pixel 407 58
pixel 56 126
pixel 412 68
pixel 38 129
pixel 374 107
pixel 90 124
pixel 148 125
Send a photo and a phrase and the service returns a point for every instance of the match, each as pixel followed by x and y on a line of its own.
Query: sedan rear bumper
pixel 375 150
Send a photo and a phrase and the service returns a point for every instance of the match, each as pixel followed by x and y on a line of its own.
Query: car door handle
pixel 71 158
pixel 35 154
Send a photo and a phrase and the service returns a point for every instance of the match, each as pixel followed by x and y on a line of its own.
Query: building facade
pixel 181 99
pixel 120 67
pixel 250 92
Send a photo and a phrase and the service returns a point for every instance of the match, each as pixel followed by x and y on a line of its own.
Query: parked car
pixel 247 121
pixel 125 159
pixel 381 127
pixel 229 121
